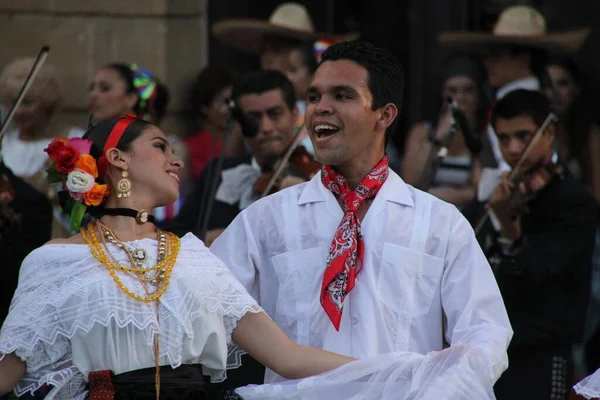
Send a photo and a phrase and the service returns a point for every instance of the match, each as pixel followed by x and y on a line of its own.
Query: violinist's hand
pixel 290 180
pixel 443 125
pixel 500 204
pixel 212 235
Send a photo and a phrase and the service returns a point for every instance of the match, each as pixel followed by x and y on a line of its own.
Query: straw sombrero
pixel 518 25
pixel 289 20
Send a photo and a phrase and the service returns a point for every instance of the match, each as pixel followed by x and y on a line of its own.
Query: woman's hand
pixel 12 369
pixel 266 342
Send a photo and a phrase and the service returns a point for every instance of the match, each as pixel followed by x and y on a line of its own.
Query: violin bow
pixel 513 173
pixel 283 163
pixel 208 199
pixel 37 66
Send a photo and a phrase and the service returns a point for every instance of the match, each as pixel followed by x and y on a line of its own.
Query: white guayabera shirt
pixel 424 279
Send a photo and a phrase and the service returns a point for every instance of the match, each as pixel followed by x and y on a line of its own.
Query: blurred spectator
pixel 456 176
pixel 35 125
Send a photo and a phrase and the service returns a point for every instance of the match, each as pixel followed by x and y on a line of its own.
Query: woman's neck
pixel 128 229
pixel 125 227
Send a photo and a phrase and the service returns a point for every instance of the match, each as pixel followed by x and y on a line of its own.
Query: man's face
pixel 275 121
pixel 503 67
pixel 342 126
pixel 515 133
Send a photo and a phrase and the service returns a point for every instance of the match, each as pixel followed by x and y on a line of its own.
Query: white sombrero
pixel 518 25
pixel 289 20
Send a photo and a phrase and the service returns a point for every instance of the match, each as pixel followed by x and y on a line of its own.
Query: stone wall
pixel 167 37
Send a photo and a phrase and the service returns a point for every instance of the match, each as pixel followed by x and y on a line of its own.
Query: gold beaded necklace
pixel 168 250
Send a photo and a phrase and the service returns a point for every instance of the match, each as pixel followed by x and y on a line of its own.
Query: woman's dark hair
pixel 580 116
pixel 206 86
pixel 156 106
pixel 464 65
pixel 307 52
pixel 126 76
pixel 159 108
pixel 98 135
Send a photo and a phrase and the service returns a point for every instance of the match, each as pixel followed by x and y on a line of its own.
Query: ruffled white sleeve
pixel 68 317
pixel 590 386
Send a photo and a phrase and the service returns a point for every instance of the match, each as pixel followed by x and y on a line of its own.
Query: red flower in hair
pixel 55 146
pixel 66 158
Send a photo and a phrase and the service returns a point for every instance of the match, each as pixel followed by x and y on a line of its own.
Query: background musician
pixel 542 257
pixel 268 99
pixel 456 178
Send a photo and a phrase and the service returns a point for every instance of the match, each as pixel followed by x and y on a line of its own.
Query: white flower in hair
pixel 79 181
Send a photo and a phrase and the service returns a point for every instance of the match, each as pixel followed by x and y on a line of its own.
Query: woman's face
pixel 464 91
pixel 215 114
pixel 108 95
pixel 153 168
pixel 563 89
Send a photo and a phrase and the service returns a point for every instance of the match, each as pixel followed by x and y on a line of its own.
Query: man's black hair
pixel 385 73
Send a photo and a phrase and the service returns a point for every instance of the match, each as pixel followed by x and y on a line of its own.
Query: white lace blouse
pixel 68 317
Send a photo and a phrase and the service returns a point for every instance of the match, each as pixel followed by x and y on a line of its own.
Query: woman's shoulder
pixel 75 239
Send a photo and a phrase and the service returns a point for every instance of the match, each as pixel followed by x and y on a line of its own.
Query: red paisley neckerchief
pixel 347 249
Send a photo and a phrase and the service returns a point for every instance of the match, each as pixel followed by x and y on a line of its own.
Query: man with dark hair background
pixel 403 272
pixel 542 257
pixel 268 99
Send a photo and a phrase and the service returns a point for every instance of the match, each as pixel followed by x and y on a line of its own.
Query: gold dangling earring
pixel 124 185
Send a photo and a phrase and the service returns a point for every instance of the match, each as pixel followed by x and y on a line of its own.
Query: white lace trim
pixel 590 386
pixel 63 291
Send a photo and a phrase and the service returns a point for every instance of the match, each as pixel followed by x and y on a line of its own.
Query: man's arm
pixel 238 249
pixel 473 306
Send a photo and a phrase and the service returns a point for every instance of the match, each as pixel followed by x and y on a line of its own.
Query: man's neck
pixel 355 171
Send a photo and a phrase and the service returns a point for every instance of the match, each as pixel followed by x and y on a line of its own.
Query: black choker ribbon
pixel 140 216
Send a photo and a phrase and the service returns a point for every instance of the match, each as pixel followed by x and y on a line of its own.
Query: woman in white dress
pixel 121 309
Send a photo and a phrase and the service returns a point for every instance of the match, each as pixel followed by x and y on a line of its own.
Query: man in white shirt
pixel 404 272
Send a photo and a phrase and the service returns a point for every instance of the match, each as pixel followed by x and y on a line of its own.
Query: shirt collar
pixel 394 190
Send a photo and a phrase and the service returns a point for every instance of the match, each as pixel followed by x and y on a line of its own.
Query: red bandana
pixel 347 245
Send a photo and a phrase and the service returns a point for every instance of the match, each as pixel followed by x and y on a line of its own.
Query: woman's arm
pixel 12 370
pixel 267 343
pixel 416 154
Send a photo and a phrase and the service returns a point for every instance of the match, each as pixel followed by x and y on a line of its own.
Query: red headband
pixel 113 140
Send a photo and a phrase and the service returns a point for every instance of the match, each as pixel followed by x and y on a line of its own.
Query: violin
pixel 528 184
pixel 297 161
pixel 527 181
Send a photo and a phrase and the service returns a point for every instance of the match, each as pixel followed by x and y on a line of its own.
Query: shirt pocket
pixel 409 280
pixel 300 273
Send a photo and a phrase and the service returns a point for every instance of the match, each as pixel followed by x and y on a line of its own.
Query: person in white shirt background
pixel 404 272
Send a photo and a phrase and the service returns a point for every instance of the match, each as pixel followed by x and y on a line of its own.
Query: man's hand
pixel 500 204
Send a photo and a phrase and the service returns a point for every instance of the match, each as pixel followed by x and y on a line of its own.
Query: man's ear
pixel 389 112
pixel 117 158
